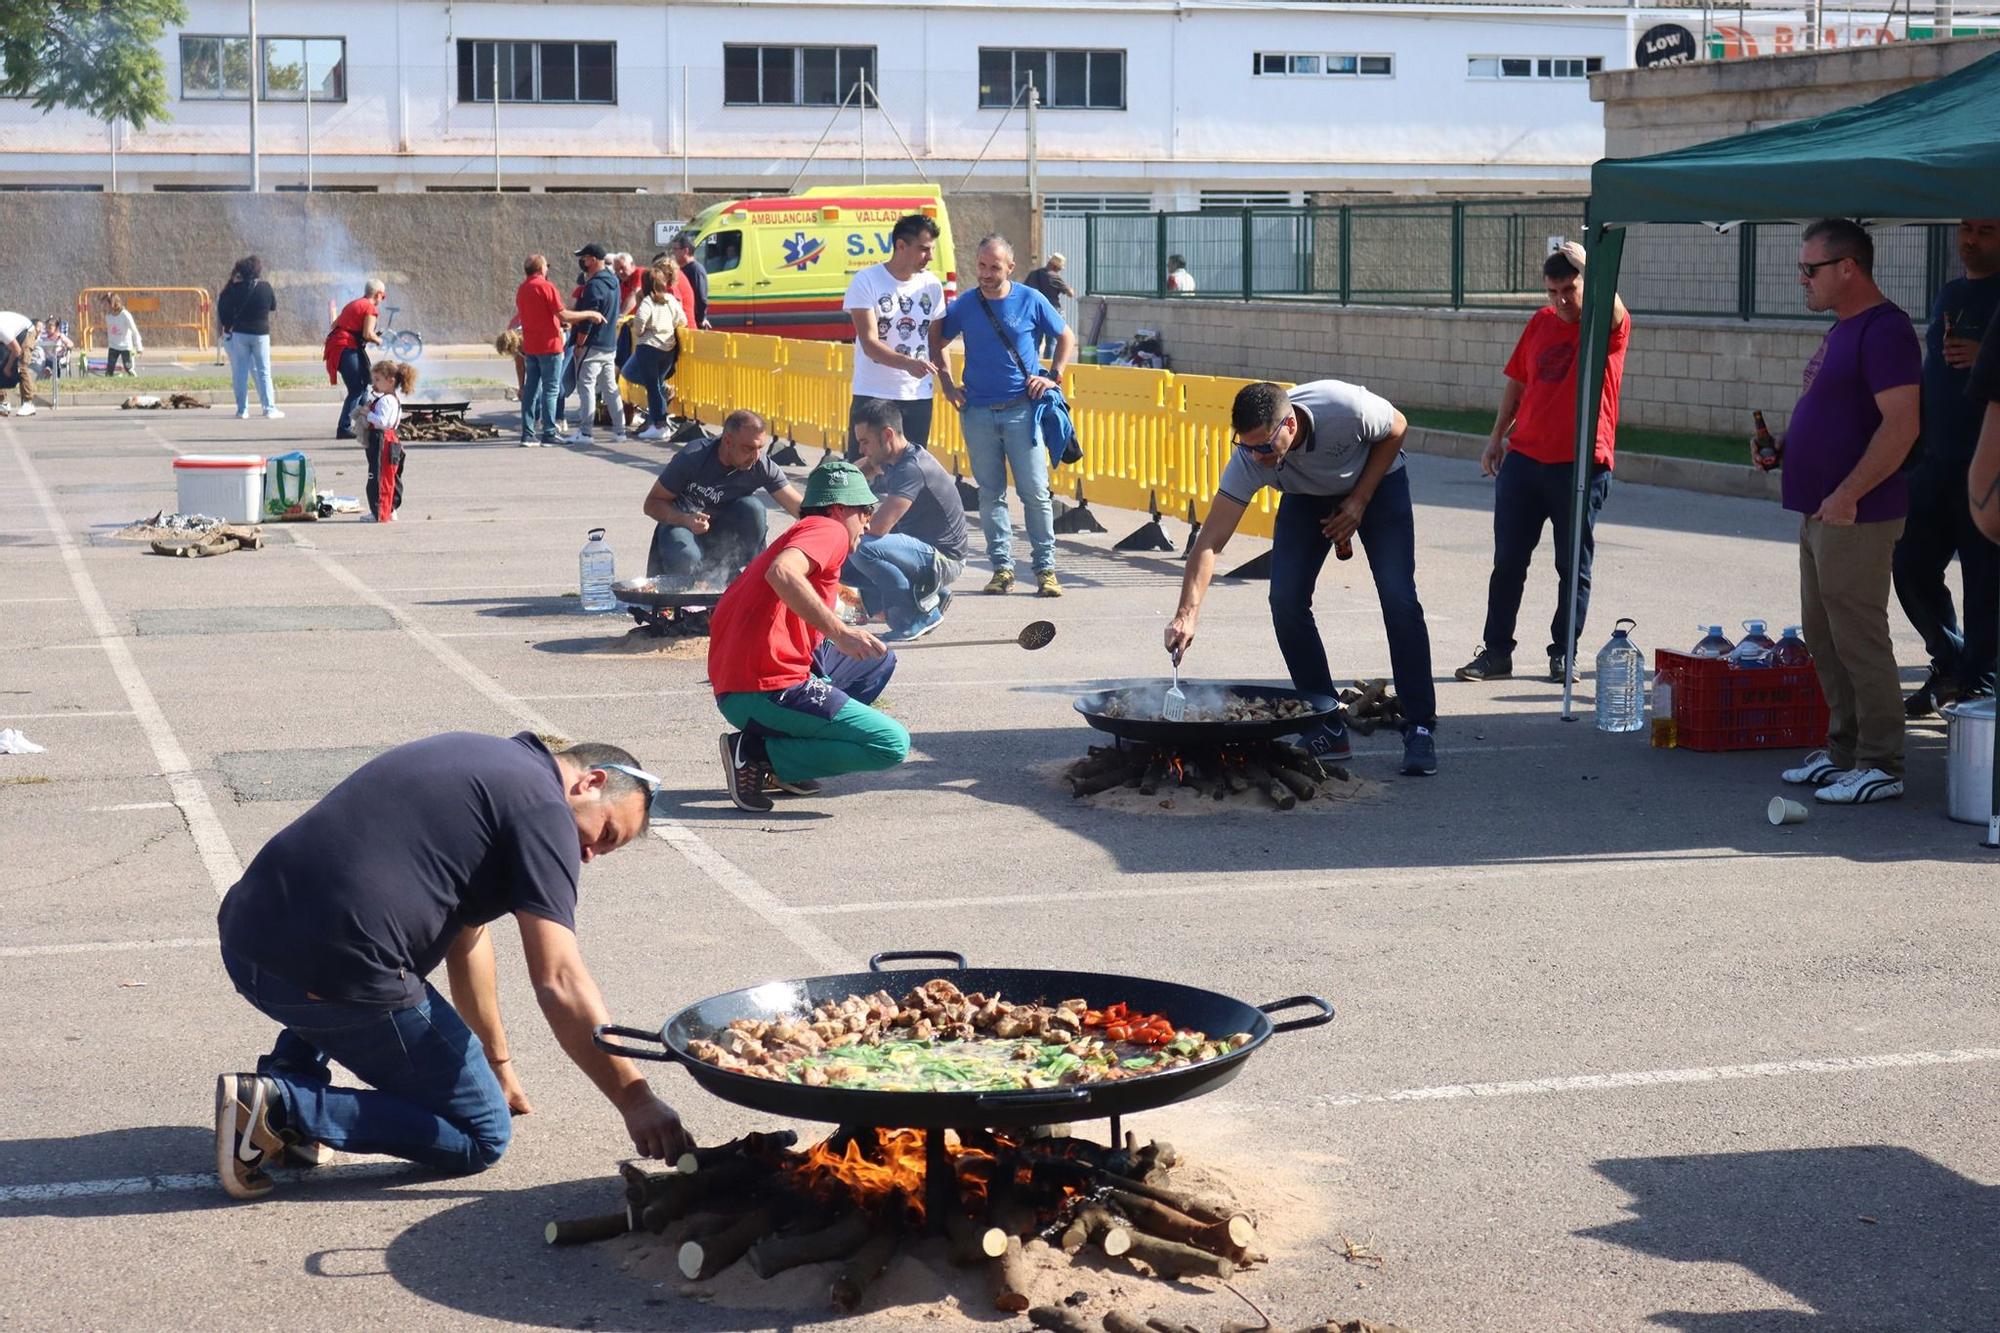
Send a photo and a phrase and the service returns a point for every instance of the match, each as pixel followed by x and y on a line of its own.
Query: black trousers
pixel 916 421
pixel 1527 496
pixel 1940 527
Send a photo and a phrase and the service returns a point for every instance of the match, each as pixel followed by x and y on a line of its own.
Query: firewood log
pixel 1013 1277
pixel 1154 1158
pixel 863 1268
pixel 1157 1219
pixel 1163 1326
pixel 1059 1319
pixel 579 1230
pixel 774 1254
pixel 1173 1260
pixel 1299 784
pixel 749 1146
pixel 1092 1223
pixel 702 1259
pixel 973 1241
pixel 1117 1321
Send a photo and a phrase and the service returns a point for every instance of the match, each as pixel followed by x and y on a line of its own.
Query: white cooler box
pixel 225 486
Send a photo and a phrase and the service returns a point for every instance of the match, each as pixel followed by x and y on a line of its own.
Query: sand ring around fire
pixel 1173 800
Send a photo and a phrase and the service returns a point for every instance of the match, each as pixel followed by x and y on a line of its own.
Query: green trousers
pixel 803 744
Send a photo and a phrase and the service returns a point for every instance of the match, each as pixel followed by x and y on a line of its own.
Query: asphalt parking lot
pixel 1612 1052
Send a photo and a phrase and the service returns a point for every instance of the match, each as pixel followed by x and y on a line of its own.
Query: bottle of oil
pixel 1665 735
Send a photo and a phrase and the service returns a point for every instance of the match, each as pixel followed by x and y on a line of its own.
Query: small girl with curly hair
pixel 381 414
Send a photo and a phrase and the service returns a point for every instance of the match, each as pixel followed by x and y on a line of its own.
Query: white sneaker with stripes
pixel 1816 770
pixel 1859 787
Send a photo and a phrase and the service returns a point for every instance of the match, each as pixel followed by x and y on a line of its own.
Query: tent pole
pixel 1993 779
pixel 1603 248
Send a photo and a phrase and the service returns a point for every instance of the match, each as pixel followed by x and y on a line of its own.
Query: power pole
pixel 305 45
pixel 256 63
pixel 1034 177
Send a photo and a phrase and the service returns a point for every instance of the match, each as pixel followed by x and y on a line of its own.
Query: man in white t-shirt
pixel 17 358
pixel 892 305
pixel 1180 282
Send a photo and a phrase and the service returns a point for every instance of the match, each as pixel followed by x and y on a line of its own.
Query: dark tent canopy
pixel 1931 151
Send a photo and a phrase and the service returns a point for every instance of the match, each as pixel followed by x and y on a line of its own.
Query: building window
pixel 1072 205
pixel 214 68
pixel 290 63
pixel 796 75
pixel 1533 67
pixel 563 73
pixel 1065 80
pixel 1321 65
pixel 1234 201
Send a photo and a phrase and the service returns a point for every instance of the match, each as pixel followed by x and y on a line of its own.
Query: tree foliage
pixel 88 55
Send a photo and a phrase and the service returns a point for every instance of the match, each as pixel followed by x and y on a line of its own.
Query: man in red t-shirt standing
pixel 786 669
pixel 539 308
pixel 1532 457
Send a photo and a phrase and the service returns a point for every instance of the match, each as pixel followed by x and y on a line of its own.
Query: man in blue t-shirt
pixel 1940 523
pixel 596 346
pixel 1002 324
pixel 339 919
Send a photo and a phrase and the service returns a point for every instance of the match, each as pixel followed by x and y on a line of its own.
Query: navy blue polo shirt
pixel 360 898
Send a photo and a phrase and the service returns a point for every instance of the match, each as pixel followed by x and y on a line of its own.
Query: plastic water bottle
pixel 1714 644
pixel 1755 649
pixel 1621 682
pixel 1791 650
pixel 595 568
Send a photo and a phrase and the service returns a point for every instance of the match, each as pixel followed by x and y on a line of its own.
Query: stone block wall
pixel 1681 374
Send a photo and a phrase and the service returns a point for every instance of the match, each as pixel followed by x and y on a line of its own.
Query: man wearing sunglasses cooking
pixel 1335 452
pixel 333 929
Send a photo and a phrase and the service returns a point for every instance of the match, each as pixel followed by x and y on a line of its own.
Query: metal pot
pixel 1969 772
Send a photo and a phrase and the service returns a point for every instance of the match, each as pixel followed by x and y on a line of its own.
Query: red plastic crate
pixel 1718 706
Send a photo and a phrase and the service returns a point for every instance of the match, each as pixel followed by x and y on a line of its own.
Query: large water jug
pixel 1755 649
pixel 1791 650
pixel 1713 644
pixel 595 569
pixel 1621 682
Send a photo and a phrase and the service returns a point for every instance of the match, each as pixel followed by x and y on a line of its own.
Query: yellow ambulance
pixel 782 265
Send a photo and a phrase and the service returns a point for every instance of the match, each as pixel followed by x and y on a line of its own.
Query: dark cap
pixel 593 250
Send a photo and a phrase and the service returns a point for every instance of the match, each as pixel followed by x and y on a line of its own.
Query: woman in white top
pixel 656 326
pixel 121 336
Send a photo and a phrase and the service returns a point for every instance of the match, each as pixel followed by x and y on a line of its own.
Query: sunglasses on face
pixel 1270 444
pixel 1810 270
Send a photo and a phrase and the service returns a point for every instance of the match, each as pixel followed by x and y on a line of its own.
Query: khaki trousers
pixel 1844 580
pixel 29 341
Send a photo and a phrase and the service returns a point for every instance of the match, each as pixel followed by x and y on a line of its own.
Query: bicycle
pixel 402 344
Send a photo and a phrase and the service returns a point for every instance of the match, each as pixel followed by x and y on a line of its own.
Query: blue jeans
pixel 250 356
pixel 888 572
pixel 1940 526
pixel 434 1099
pixel 649 367
pixel 734 538
pixel 1526 495
pixel 353 374
pixel 1389 535
pixel 997 438
pixel 539 390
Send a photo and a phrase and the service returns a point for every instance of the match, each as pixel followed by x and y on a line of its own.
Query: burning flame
pixel 889 1172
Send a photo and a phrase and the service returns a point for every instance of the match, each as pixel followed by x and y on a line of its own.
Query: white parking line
pixel 45 717
pixel 101 946
pixel 210 840
pixel 815 943
pixel 129 805
pixel 1638 1079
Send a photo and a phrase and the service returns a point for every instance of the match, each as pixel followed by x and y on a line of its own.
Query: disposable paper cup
pixel 1782 811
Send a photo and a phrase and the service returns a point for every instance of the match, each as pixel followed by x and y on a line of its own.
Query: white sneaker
pixel 651 433
pixel 27 410
pixel 581 437
pixel 1859 787
pixel 531 444
pixel 273 414
pixel 244 415
pixel 1817 770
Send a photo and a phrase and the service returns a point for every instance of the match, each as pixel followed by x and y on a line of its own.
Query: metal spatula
pixel 1174 707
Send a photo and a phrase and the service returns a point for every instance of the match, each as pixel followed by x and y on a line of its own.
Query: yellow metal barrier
pixel 1149 436
pixel 161 312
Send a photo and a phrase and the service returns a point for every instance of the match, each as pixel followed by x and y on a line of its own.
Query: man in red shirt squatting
pixel 1532 457
pixel 787 670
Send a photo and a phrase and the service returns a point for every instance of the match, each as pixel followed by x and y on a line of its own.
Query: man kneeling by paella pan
pixel 786 670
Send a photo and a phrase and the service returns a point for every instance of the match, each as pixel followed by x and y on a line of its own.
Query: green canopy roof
pixel 1931 151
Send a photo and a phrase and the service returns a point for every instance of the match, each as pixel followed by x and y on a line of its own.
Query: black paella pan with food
pixel 1188 1007
pixel 1266 713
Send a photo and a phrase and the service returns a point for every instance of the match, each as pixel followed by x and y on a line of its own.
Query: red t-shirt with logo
pixel 755 643
pixel 683 291
pixel 537 304
pixel 1544 364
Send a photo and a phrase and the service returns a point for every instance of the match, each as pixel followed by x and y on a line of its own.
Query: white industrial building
pixel 1144 103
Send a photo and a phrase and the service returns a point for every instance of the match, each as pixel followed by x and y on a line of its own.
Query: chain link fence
pixel 1472 255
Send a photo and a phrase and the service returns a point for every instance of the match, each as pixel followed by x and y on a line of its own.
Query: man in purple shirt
pixel 1843 452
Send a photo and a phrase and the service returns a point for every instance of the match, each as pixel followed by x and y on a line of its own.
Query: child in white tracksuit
pixel 121 337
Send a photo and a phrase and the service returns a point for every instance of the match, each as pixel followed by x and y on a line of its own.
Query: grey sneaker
pixel 744 775
pixel 1486 665
pixel 1420 753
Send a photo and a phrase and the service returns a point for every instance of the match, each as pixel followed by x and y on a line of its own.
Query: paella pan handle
pixel 957 960
pixel 1325 1014
pixel 1051 1097
pixel 664 1054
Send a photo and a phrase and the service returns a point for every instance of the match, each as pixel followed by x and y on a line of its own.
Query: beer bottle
pixel 1767 447
pixel 1344 548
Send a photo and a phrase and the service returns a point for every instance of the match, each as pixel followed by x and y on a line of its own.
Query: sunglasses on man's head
pixel 638 775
